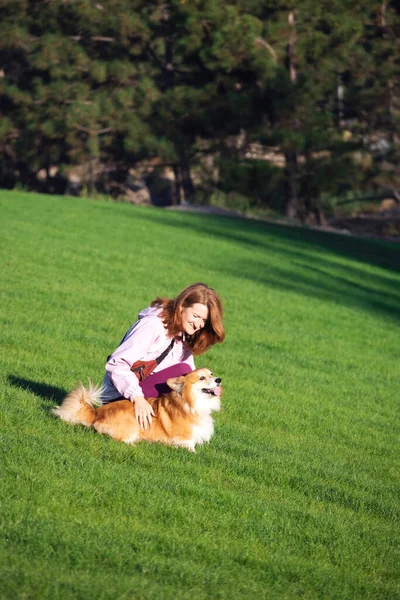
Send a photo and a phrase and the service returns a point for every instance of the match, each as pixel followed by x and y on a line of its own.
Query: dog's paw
pixel 187 445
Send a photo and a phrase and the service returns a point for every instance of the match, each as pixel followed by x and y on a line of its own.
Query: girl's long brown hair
pixel 212 332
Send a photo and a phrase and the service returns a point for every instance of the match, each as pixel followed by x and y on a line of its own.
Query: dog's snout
pixel 218 380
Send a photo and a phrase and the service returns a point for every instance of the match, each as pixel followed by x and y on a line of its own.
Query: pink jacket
pixel 145 340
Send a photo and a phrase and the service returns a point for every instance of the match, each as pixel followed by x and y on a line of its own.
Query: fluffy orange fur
pixel 182 417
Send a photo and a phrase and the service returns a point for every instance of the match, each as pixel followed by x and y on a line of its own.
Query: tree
pixel 203 54
pixel 117 81
pixel 75 87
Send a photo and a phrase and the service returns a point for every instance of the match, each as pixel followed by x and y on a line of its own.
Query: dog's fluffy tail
pixel 79 405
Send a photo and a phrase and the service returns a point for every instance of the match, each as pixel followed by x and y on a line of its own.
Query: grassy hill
pixel 296 495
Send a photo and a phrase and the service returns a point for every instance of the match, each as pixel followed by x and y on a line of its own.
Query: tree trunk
pixel 396 195
pixel 313 212
pixel 292 201
pixel 90 183
pixel 340 101
pixel 177 191
pixel 186 178
pixel 184 188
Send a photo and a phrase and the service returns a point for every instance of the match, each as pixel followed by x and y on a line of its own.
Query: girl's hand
pixel 143 412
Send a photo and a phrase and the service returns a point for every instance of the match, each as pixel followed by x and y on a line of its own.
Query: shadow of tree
pixel 315 265
pixel 326 286
pixel 371 251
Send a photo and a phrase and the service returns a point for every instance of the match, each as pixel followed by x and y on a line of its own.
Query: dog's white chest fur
pixel 203 431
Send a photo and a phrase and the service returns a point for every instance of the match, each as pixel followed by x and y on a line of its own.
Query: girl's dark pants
pixel 155 385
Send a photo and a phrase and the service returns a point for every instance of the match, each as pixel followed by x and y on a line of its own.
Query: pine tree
pixel 312 42
pixel 75 87
pixel 203 53
pixel 116 81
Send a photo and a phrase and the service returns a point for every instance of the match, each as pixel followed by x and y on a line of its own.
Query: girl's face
pixel 194 318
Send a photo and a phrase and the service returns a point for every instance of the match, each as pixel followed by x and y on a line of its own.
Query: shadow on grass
pixel 42 390
pixel 313 265
pixel 379 253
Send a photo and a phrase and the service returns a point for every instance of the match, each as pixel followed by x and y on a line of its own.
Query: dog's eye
pixel 202 377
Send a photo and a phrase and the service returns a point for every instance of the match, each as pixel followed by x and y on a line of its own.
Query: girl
pixel 172 331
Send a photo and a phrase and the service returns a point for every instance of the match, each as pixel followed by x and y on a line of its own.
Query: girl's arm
pixel 135 347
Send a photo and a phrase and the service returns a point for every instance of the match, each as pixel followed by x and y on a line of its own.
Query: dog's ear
pixel 176 383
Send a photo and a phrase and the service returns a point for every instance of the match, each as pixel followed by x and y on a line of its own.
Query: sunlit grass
pixel 296 496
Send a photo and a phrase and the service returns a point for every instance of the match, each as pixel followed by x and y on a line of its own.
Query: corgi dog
pixel 182 416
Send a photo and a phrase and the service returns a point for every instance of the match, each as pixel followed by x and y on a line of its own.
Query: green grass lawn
pixel 296 495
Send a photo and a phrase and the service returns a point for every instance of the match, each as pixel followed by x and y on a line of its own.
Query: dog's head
pixel 200 390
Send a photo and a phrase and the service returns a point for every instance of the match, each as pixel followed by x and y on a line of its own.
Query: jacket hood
pixel 150 311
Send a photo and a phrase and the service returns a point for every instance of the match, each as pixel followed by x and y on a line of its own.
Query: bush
pixel 261 182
